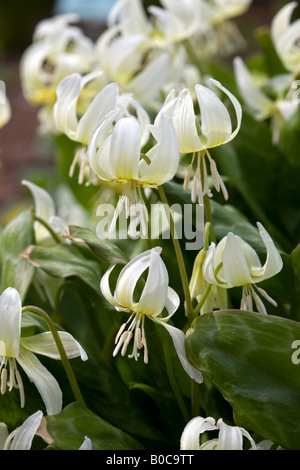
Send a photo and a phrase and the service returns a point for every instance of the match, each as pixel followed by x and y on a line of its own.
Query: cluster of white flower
pixel 136 104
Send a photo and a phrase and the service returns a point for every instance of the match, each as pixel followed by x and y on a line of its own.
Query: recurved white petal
pixel 44 381
pixel 22 437
pixel 44 344
pixel 147 83
pixel 44 208
pixel 164 156
pixel 86 445
pixel 105 287
pixel 178 338
pixel 184 120
pixel 125 149
pixel 172 301
pixel 215 122
pixel 273 262
pixel 190 438
pixel 153 297
pixel 65 108
pixel 231 437
pixel 251 94
pixel 104 102
pixel 98 150
pixel 129 277
pixel 10 322
pixel 236 269
pixel 282 20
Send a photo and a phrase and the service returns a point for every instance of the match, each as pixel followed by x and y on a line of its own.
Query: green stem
pixel 173 383
pixel 201 303
pixel 47 226
pixel 179 256
pixel 61 350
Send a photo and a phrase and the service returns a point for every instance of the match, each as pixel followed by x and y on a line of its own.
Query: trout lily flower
pixel 82 102
pixel 58 49
pixel 115 155
pixel 197 134
pixel 16 349
pixel 260 105
pixel 233 262
pixel 209 297
pixel 286 36
pixel 156 297
pixel 70 212
pixel 229 437
pixel 21 438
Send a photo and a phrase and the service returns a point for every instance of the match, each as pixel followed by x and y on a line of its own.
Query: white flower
pixel 115 155
pixel 260 105
pixel 229 437
pixel 233 262
pixel 16 350
pixel 83 101
pixel 155 297
pixel 87 444
pixel 58 50
pixel 21 438
pixel 209 296
pixel 218 11
pixel 171 23
pixel 286 36
pixel 197 134
pixel 130 62
pixel 69 211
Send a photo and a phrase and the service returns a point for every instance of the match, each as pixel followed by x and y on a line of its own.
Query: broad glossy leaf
pixel 104 249
pixel 64 261
pixel 15 239
pixel 69 428
pixel 249 358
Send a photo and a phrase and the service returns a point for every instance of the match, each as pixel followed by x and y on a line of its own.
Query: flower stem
pixel 47 226
pixel 61 349
pixel 179 256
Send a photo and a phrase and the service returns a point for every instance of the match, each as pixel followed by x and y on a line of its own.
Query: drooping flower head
pixel 18 350
pixel 260 105
pixel 156 297
pixel 197 133
pixel 233 262
pixel 115 155
pixel 228 438
pixel 286 35
pixel 83 102
pixel 58 49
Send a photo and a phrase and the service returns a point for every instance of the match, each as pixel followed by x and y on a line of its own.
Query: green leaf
pixel 69 428
pixel 104 249
pixel 295 297
pixel 64 261
pixel 248 357
pixel 15 239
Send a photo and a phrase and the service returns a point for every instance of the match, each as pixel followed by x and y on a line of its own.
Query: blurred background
pixel 20 148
